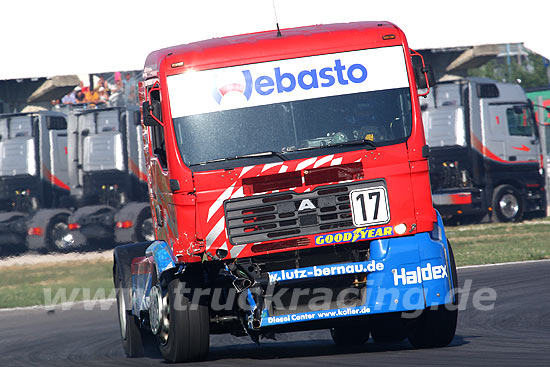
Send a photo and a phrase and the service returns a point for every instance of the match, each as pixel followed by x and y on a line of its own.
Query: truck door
pixel 512 125
pixel 57 135
pixel 161 195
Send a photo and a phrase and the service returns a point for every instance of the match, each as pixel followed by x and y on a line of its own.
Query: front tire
pixel 436 326
pixel 188 327
pixel 508 204
pixel 388 328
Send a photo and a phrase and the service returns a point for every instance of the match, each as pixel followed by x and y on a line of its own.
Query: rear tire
pixel 507 204
pixel 188 334
pixel 144 226
pixel 58 236
pixel 436 326
pixel 350 335
pixel 130 331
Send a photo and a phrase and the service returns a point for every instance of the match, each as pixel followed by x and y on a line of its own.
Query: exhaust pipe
pixel 242 284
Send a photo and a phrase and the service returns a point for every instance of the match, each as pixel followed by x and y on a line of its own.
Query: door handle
pixel 158 215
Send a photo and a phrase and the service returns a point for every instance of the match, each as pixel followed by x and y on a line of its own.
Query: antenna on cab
pixel 279 34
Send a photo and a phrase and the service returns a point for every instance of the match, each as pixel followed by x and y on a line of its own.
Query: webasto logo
pixel 281 81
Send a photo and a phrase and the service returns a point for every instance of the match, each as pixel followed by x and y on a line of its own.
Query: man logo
pixel 305 205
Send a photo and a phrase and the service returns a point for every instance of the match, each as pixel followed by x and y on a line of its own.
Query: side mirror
pixel 518 110
pixel 424 76
pixel 151 113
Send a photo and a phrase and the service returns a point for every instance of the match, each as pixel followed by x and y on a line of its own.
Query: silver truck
pixel 34 191
pixel 485 155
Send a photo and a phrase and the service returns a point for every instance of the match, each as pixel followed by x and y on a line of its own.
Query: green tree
pixel 531 72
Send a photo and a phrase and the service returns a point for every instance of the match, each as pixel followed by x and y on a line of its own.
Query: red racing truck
pixel 289 188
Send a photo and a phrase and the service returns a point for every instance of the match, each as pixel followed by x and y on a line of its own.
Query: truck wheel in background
pixel 436 327
pixel 186 331
pixel 507 204
pixel 58 237
pixel 388 328
pixel 349 335
pixel 129 324
pixel 144 226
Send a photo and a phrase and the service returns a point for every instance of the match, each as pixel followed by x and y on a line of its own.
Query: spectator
pixel 69 98
pixel 129 88
pixel 92 96
pixel 79 96
pixel 101 82
pixel 83 88
pixel 117 97
pixel 103 96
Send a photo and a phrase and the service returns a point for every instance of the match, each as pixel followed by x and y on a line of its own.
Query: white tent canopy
pixel 47 38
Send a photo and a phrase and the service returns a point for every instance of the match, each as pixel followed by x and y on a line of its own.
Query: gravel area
pixel 33 259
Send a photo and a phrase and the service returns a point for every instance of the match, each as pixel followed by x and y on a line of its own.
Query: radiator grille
pixel 276 216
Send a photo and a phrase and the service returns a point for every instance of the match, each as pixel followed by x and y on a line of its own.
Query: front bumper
pixel 402 274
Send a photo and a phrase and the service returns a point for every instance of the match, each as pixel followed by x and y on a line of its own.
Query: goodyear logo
pixel 354 235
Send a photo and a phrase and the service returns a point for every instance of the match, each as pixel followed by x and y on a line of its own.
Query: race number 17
pixel 369 206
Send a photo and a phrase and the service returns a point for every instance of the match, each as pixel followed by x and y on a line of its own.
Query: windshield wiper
pixel 251 155
pixel 354 142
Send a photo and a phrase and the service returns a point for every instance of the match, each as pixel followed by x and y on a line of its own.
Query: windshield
pixel 288 106
pixel 383 117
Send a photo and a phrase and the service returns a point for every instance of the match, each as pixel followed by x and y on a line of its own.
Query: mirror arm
pixel 156 87
pixel 423 70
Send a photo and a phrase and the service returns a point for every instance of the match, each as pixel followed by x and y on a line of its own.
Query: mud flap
pixel 129 213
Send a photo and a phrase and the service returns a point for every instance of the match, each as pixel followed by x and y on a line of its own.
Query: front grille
pixel 289 214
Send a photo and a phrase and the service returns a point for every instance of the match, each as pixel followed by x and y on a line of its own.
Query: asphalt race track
pixel 516 332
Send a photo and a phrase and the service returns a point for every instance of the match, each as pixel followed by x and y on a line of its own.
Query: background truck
pixel 108 186
pixel 289 185
pixel 485 154
pixel 34 187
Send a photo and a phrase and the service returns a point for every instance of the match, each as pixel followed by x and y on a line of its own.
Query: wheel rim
pixel 147 230
pixel 61 236
pixel 509 205
pixel 122 313
pixel 155 310
pixel 165 322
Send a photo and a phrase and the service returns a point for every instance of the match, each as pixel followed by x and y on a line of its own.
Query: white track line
pixel 500 264
pixel 65 306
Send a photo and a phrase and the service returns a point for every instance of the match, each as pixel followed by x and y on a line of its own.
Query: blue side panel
pixel 162 253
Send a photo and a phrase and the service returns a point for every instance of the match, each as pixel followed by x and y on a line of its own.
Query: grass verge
pixel 29 285
pixel 499 243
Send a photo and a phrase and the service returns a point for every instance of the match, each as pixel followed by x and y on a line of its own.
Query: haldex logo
pixel 281 81
pixel 419 275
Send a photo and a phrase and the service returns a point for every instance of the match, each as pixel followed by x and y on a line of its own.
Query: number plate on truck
pixel 369 206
